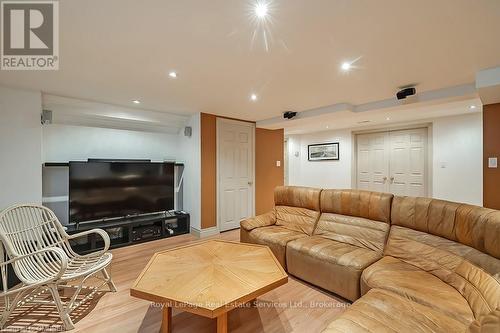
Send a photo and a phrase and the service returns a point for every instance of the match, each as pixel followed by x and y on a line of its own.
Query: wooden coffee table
pixel 208 278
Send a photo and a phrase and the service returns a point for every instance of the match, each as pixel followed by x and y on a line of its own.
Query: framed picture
pixel 323 152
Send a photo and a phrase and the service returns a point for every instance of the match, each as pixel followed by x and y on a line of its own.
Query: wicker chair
pixel 39 251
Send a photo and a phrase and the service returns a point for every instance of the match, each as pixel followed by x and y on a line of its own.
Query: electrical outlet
pixel 278 163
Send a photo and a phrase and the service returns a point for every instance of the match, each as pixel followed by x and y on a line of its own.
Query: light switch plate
pixel 492 163
pixel 278 163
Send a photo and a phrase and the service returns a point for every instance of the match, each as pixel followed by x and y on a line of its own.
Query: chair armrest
pixel 100 232
pixel 263 220
pixel 51 272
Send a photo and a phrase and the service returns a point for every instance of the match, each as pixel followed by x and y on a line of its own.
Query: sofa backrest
pixel 369 205
pixel 297 208
pixel 458 243
pixel 356 217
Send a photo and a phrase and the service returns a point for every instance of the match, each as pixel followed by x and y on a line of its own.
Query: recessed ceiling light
pixel 327 126
pixel 253 97
pixel 261 10
pixel 136 101
pixel 472 107
pixel 388 118
pixel 173 74
pixel 346 66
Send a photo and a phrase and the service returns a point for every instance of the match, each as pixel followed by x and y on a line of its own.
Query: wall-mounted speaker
pixel 406 92
pixel 188 131
pixel 46 117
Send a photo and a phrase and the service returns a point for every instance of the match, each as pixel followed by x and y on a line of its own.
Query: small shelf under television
pixel 122 231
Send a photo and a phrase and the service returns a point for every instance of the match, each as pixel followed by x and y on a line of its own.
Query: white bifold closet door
pixel 393 162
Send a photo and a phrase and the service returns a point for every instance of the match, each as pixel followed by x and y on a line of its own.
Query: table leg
pixel 222 323
pixel 166 324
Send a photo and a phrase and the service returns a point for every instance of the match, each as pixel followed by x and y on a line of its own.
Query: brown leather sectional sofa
pixel 409 264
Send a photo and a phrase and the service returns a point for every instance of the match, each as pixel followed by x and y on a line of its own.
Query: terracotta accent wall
pixel 208 170
pixel 491 148
pixel 269 148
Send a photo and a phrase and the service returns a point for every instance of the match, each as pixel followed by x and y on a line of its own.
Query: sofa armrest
pixel 263 220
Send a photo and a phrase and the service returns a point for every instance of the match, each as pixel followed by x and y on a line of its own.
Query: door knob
pixel 392 179
pixel 384 179
pixel 250 183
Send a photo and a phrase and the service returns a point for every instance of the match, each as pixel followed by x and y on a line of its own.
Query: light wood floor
pixel 294 307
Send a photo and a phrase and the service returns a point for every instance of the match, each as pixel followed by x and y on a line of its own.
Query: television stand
pixel 129 231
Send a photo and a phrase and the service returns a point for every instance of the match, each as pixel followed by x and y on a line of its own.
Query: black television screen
pixel 99 190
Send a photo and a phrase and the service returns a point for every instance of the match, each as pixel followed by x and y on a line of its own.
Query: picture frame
pixel 323 152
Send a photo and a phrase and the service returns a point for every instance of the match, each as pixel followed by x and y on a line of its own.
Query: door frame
pixel 218 126
pixel 429 156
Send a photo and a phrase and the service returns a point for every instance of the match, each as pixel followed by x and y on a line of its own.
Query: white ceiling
pixel 115 51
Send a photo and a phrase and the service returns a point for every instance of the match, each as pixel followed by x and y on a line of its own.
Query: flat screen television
pixel 108 189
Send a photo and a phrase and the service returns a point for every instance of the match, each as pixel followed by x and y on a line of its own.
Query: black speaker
pixel 289 114
pixel 403 93
pixel 46 117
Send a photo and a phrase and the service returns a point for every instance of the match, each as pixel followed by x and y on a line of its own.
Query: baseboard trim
pixel 203 233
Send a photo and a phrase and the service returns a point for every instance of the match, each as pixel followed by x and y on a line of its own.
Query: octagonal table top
pixel 209 278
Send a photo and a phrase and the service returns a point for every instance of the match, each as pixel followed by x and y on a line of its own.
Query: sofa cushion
pixel 297 219
pixel 489 323
pixel 417 285
pixel 473 226
pixel 381 311
pixel 332 265
pixel 358 231
pixel 263 220
pixel 297 196
pixel 275 237
pixel 474 274
pixel 297 208
pixel 369 205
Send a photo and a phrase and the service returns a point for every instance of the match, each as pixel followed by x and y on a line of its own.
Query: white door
pixel 285 150
pixel 235 169
pixel 393 162
pixel 407 162
pixel 373 168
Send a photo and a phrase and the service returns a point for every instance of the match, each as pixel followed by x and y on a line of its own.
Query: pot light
pixel 388 118
pixel 173 74
pixel 136 101
pixel 261 10
pixel 346 66
pixel 253 97
pixel 472 107
pixel 349 64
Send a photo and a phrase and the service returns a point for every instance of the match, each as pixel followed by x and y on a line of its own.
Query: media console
pixel 130 230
